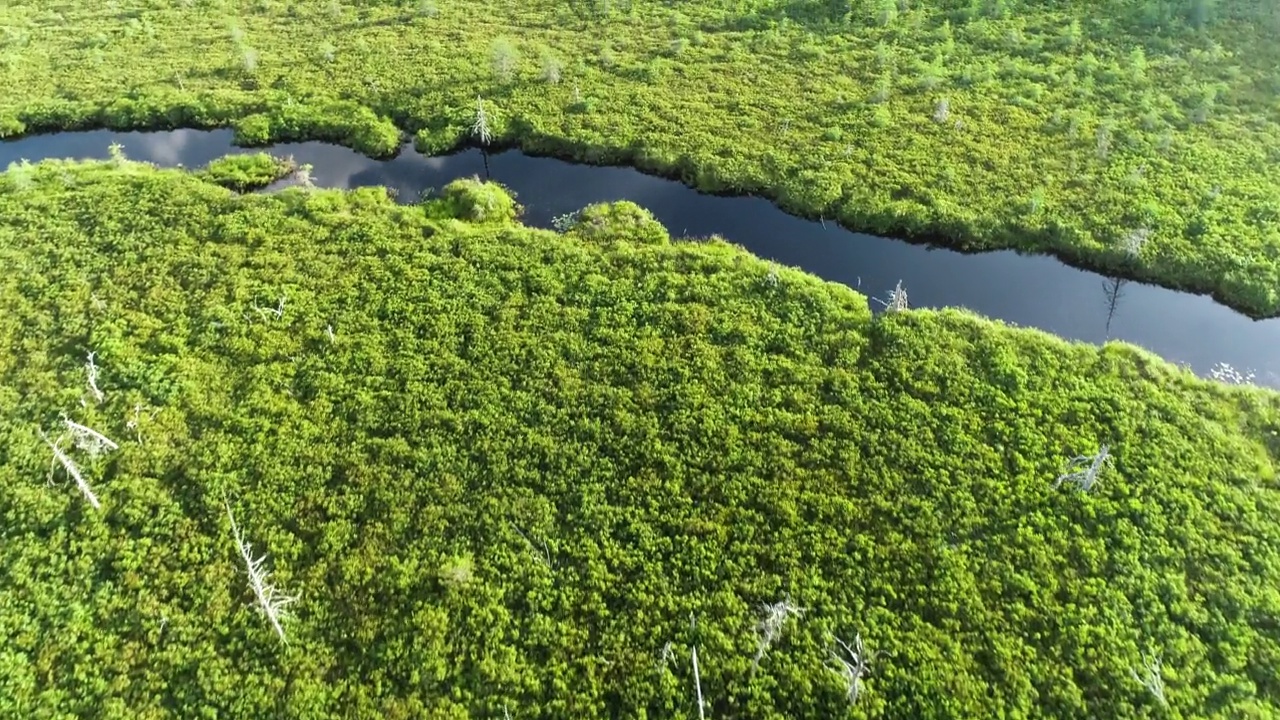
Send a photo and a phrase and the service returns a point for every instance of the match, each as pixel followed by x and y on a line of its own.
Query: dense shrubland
pixel 1137 136
pixel 514 471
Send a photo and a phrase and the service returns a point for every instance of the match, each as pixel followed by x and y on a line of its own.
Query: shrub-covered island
pixel 478 470
pixel 1137 136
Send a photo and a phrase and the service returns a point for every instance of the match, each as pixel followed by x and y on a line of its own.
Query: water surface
pixel 1033 291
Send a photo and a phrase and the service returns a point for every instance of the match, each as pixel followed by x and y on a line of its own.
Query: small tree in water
pixel 897 299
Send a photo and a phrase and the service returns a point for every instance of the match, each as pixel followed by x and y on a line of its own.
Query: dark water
pixel 1030 291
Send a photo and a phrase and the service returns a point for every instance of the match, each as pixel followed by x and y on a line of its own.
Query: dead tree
pixel 1151 678
pixel 897 299
pixel 852 664
pixel 91 370
pixel 269 599
pixel 480 129
pixel 1085 478
pixel 769 628
pixel 71 468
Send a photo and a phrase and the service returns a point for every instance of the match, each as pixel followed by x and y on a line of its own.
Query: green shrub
pixel 475 201
pixel 11 126
pixel 131 114
pixel 253 131
pixel 439 139
pixel 243 173
pixel 344 123
pixel 52 115
pixel 622 221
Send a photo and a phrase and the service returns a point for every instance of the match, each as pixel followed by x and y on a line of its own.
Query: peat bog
pixel 510 471
pixel 396 450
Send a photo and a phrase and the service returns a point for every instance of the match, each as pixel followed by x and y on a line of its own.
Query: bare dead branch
pixel 897 299
pixel 769 628
pixel 1087 477
pixel 72 469
pixel 1151 678
pixel 269 599
pixel 91 370
pixel 89 440
pixel 852 665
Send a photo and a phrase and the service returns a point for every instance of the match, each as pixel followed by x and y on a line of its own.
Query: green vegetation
pixel 502 468
pixel 1137 136
pixel 248 172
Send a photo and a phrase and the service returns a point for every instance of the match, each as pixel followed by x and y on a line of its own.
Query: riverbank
pixel 503 467
pixel 1081 133
pixel 1012 288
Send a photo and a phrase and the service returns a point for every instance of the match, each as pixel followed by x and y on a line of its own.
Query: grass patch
pixel 501 468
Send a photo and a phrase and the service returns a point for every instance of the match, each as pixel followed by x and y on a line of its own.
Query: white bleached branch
pixel 88 439
pixel 667 657
pixel 769 628
pixel 1086 478
pixel 135 423
pixel 480 128
pixel 72 469
pixel 897 299
pixel 1151 677
pixel 277 312
pixel 270 600
pixel 852 665
pixel 697 684
pixel 91 370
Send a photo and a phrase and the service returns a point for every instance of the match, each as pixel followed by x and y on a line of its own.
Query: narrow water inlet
pixel 1030 291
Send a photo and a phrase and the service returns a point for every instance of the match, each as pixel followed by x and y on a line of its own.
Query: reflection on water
pixel 1112 291
pixel 1033 291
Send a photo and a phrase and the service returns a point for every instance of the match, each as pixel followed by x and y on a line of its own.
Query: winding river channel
pixel 1031 291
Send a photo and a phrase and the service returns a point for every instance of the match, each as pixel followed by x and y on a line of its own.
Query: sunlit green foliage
pixel 247 172
pixel 1068 125
pixel 502 468
pixel 475 202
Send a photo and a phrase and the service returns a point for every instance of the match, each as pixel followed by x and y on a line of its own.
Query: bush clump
pixel 345 123
pixel 11 126
pixel 246 172
pixel 619 221
pixel 474 200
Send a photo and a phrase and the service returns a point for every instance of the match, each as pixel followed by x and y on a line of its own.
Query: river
pixel 1024 290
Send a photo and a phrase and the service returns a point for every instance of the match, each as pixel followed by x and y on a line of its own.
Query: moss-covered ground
pixel 503 469
pixel 1136 136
